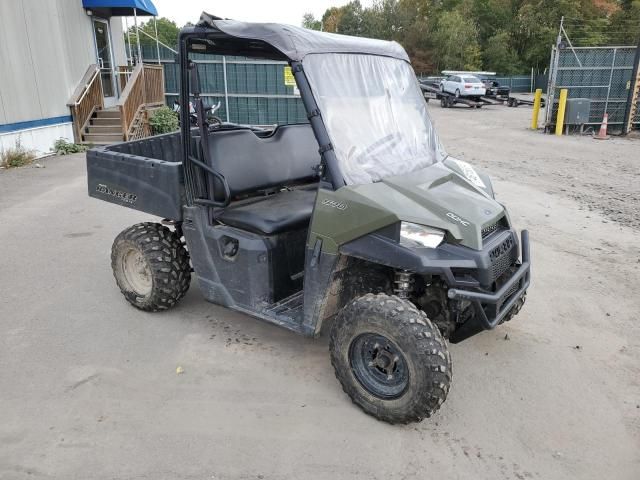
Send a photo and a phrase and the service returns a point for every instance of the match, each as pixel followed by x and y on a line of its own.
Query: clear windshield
pixel 375 115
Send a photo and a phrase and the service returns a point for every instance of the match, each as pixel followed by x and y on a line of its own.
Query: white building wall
pixel 45 49
pixel 20 95
pixel 39 139
pixel 3 116
pixel 117 39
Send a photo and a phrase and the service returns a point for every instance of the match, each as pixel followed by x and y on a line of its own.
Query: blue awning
pixel 121 8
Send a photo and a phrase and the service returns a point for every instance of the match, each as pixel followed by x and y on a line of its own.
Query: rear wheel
pixel 457 93
pixel 390 359
pixel 151 266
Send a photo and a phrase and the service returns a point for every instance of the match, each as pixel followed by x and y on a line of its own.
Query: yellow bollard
pixel 561 107
pixel 536 109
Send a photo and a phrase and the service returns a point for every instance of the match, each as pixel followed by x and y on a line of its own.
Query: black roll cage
pixel 211 41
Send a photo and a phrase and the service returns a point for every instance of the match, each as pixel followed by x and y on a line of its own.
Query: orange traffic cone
pixel 602 134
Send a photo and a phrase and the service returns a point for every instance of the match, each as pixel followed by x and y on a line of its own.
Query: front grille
pixel 498 226
pixel 502 257
pixel 486 231
pixel 508 294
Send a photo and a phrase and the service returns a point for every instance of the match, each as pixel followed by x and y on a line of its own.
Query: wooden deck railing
pixel 154 84
pixel 143 88
pixel 131 99
pixel 86 99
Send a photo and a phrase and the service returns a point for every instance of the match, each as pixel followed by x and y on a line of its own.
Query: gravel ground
pixel 601 175
pixel 88 385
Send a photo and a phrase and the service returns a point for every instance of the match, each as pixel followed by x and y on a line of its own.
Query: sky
pixel 279 11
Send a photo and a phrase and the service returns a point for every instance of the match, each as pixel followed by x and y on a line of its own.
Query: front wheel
pixel 151 266
pixel 390 359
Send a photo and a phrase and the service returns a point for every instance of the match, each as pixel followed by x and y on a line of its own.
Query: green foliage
pixel 456 40
pixel 16 156
pixel 351 19
pixel 499 56
pixel 625 21
pixel 309 21
pixel 163 120
pixel 168 33
pixel 62 147
pixel 506 36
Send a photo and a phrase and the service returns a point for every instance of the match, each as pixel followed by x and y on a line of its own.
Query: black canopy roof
pixel 297 42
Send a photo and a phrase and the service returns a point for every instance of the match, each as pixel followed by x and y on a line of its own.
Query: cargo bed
pixel 145 175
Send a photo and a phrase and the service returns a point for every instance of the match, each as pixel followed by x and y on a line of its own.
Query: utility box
pixel 577 111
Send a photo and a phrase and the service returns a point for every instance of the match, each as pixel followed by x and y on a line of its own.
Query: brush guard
pixel 492 309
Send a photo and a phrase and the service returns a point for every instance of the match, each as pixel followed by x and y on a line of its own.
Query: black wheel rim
pixel 379 366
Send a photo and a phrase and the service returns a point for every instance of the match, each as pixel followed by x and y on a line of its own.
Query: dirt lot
pixel 88 385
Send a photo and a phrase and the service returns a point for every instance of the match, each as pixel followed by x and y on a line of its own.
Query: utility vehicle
pixel 358 218
pixel 494 89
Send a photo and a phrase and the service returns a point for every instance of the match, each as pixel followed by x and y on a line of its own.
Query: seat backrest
pixel 250 163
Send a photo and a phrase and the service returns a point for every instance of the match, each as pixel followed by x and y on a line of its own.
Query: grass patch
pixel 62 147
pixel 16 156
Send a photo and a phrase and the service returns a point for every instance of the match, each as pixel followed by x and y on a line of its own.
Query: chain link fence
pixel 518 83
pixel 600 74
pixel 255 89
pixel 250 91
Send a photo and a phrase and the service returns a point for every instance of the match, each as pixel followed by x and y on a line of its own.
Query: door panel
pixel 103 52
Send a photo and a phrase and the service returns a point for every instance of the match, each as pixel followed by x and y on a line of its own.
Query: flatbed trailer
pixel 448 100
pixel 431 91
pixel 515 102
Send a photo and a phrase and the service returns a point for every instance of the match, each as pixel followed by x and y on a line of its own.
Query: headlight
pixel 414 235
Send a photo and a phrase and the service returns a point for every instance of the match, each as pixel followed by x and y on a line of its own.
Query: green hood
pixel 439 196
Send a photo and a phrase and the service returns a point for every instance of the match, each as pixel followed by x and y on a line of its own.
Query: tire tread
pixel 420 338
pixel 168 260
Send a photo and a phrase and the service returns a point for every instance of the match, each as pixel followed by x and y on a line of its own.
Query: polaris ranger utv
pixel 358 216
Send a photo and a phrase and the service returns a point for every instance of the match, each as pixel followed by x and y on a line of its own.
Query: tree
pixel 625 24
pixel 456 41
pixel 331 18
pixel 168 32
pixel 498 56
pixel 310 21
pixel 509 36
pixel 350 21
pixel 491 16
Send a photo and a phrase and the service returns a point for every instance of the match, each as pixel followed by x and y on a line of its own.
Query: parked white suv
pixel 463 86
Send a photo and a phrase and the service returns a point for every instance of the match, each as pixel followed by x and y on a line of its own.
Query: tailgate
pixel 146 184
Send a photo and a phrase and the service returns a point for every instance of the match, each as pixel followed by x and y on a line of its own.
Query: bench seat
pixel 277 213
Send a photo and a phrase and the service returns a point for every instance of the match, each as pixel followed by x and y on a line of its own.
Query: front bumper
pixel 492 308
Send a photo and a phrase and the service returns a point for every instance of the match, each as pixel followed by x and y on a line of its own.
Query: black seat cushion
pixel 281 212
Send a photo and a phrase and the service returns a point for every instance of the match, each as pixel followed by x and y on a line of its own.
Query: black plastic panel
pixel 141 181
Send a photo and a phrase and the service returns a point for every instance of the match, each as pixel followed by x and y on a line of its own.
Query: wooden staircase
pixel 104 127
pixel 142 91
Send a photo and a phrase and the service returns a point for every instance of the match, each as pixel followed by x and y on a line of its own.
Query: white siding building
pixel 45 49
